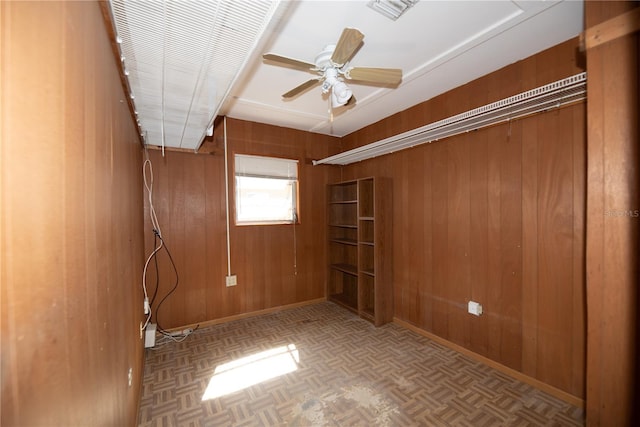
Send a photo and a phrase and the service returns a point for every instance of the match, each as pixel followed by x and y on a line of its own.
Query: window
pixel 266 190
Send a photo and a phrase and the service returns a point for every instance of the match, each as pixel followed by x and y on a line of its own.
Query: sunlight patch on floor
pixel 250 370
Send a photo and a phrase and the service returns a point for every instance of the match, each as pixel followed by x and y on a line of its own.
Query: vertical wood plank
pixel 415 172
pixel 495 301
pixel 529 162
pixel 458 223
pixel 595 228
pixel 556 247
pixel 479 236
pixel 195 265
pixel 406 297
pixel 578 322
pixel 176 241
pixel 439 229
pixel 426 284
pixel 530 246
pixel 612 233
pixel 215 256
pixel 511 245
pixel 71 234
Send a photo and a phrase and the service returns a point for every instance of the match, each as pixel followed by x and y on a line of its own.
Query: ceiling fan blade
pixel 390 76
pixel 347 45
pixel 303 87
pixel 288 62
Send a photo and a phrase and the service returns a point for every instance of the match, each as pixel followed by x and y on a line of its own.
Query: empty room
pixel 319 213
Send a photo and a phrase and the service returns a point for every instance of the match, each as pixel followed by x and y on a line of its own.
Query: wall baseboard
pixel 246 315
pixel 556 392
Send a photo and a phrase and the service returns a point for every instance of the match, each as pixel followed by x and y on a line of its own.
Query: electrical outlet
pixel 475 308
pixel 232 280
pixel 150 335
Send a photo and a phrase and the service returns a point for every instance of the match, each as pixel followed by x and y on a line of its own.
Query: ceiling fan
pixel 331 64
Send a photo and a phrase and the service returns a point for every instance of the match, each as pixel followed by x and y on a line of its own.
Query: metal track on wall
pixel 553 95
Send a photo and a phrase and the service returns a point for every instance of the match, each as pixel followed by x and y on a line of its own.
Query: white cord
pixel 149 186
pixel 167 338
pixel 148 183
pixel 295 243
pixel 226 195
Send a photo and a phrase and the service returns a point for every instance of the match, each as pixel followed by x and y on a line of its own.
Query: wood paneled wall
pixel 613 224
pixel 495 216
pixel 71 239
pixel 276 265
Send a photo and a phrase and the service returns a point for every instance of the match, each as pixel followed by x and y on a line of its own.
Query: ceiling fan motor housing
pixel 330 78
pixel 323 59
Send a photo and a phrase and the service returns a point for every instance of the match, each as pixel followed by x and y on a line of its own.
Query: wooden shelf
pixel 359 215
pixel 369 315
pixel 368 272
pixel 343 202
pixel 346 268
pixel 345 301
pixel 344 241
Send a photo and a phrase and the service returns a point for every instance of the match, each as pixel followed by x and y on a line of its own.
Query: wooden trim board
pixel 246 315
pixel 612 29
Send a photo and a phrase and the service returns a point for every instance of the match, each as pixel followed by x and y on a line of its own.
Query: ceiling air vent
pixel 392 9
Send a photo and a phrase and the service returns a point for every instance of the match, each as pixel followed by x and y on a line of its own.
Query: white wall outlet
pixel 475 308
pixel 150 336
pixel 232 280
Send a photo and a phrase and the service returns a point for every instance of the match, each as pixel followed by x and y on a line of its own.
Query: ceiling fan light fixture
pixel 340 94
pixel 392 9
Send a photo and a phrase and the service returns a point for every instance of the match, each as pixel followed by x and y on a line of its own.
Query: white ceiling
pixel 439 45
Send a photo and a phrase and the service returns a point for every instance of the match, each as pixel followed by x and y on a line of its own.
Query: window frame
pixel 295 191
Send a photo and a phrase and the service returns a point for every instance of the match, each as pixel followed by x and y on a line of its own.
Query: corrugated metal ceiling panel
pixel 181 58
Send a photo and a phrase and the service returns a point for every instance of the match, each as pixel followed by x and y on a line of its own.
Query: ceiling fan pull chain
pixel 330 116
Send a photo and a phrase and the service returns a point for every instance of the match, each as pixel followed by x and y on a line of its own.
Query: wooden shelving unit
pixel 359 233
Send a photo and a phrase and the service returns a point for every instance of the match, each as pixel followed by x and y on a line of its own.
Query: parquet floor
pixel 321 365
